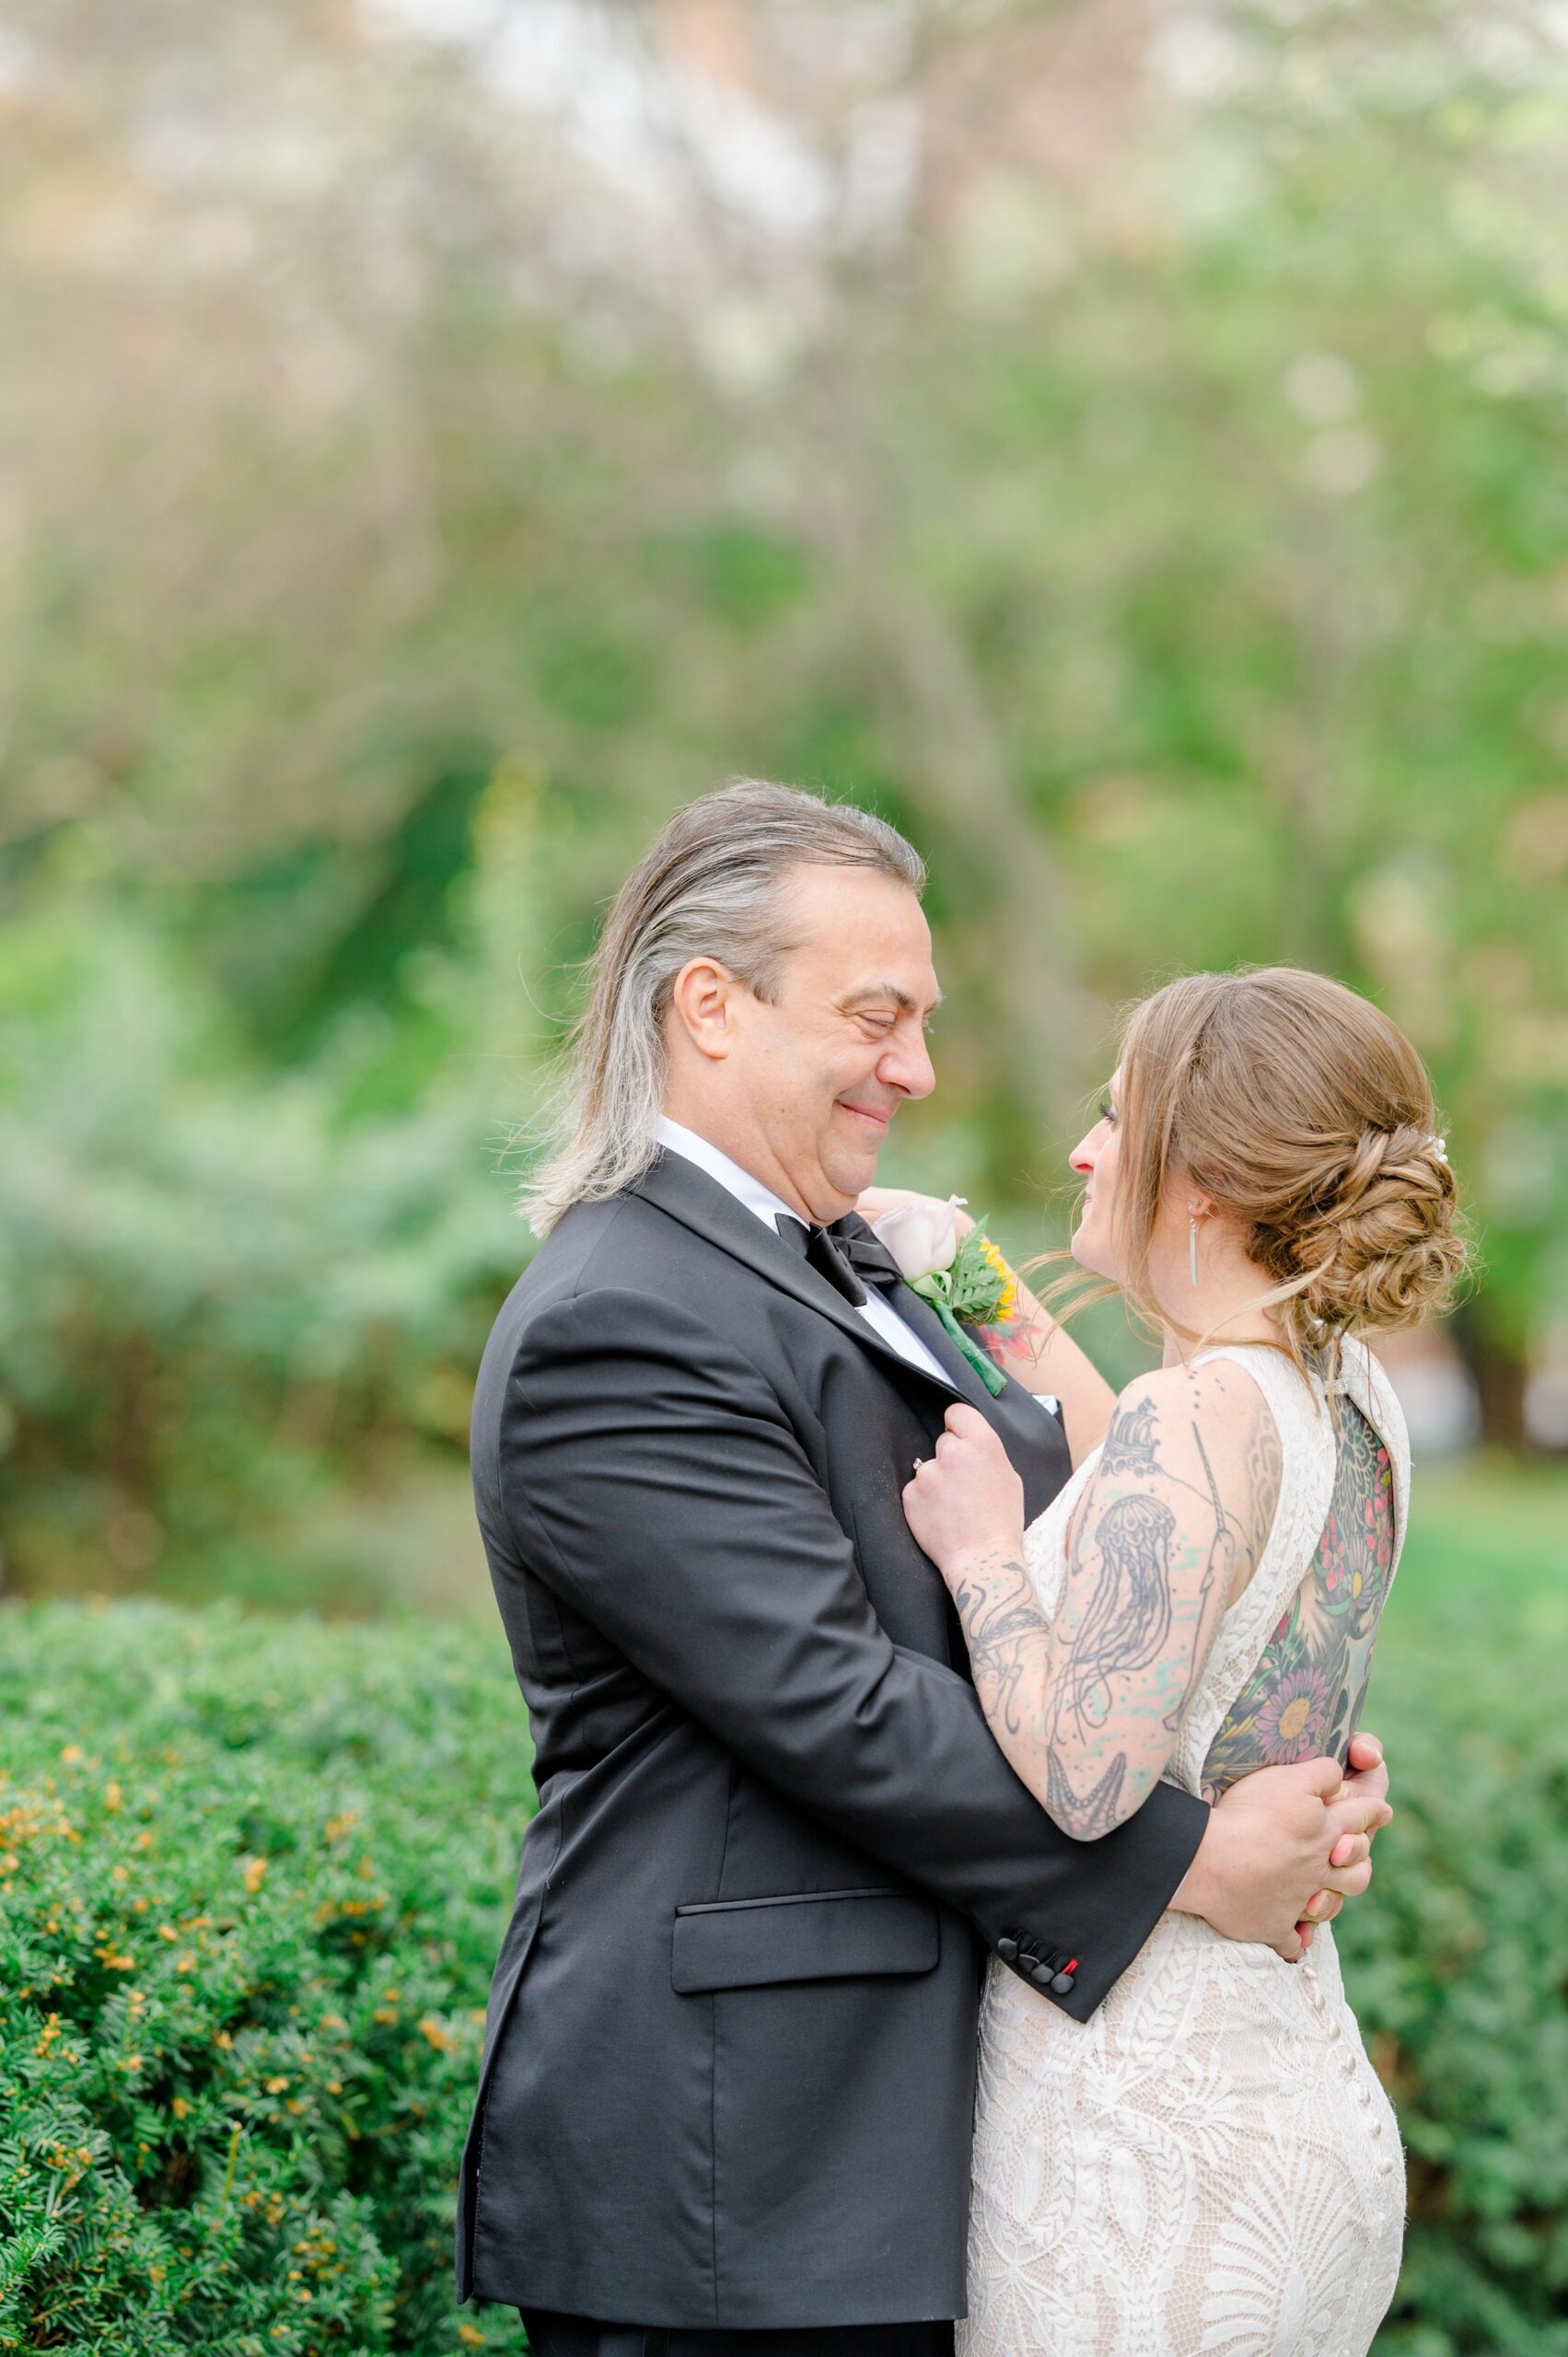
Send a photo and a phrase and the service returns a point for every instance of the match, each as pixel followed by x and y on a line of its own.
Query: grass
pixel 1484 1523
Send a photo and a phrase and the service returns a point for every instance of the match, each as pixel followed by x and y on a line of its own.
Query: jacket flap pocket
pixel 811 1935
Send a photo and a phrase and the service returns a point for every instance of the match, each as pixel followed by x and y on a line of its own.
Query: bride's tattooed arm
pixel 1169 1528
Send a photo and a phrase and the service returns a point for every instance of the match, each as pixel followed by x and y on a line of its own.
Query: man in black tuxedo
pixel 728 2073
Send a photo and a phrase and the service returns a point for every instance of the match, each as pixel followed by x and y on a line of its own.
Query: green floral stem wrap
pixel 989 1373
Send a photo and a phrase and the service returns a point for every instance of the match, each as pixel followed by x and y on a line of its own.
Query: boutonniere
pixel 960 1277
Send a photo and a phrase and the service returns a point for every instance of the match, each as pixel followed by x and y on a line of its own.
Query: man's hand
pixel 1370 1777
pixel 1284 1843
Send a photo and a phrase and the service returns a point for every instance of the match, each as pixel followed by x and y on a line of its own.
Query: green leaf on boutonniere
pixel 980 1288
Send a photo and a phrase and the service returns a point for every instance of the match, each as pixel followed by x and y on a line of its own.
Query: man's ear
pixel 701 1001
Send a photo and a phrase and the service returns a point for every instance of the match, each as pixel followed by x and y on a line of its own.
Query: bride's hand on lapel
pixel 965 1502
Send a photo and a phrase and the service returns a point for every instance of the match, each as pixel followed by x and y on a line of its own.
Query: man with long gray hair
pixel 728 2075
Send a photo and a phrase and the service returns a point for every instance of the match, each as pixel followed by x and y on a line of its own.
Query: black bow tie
pixel 847 1254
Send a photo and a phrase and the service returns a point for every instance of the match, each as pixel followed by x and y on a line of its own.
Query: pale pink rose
pixel 922 1237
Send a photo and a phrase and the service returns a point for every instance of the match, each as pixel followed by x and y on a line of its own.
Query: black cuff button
pixel 1007 1950
pixel 1060 1984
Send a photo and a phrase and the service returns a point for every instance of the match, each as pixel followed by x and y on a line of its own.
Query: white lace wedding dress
pixel 1209 2164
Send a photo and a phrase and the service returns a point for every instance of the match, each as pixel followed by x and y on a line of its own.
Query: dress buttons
pixel 1042 1975
pixel 1008 1951
pixel 1061 1983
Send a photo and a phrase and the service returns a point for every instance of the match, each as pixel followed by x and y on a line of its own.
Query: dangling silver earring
pixel 1192 1247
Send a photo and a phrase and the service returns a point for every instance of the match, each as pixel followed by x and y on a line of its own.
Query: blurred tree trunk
pixel 1501 1374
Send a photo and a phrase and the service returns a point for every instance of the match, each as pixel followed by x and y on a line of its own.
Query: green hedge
pixel 1457 1964
pixel 253 1877
pixel 255 1873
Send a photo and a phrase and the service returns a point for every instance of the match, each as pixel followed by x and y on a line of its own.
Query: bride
pixel 1209 2164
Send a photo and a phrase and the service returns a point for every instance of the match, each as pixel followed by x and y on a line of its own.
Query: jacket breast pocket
pixel 802 1935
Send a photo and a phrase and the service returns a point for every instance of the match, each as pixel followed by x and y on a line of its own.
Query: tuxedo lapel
pixel 1037 1440
pixel 922 1319
pixel 699 1202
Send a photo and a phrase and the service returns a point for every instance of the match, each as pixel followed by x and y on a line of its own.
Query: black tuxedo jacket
pixel 729 2059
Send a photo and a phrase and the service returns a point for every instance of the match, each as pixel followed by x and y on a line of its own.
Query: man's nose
pixel 907 1066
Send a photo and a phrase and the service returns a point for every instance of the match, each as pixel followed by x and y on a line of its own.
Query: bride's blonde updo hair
pixel 1302 1111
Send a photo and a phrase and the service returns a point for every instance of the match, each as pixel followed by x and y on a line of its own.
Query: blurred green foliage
pixel 1168 529
pixel 216 1283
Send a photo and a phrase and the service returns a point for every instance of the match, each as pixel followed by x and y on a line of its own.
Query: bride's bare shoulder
pixel 1215 1403
pixel 1203 1438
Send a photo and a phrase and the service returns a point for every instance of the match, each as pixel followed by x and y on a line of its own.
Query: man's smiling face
pixel 813 1078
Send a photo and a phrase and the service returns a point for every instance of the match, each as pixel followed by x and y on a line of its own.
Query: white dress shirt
pixel 769 1209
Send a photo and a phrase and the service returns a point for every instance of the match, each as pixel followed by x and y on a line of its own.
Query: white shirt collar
pixel 739 1183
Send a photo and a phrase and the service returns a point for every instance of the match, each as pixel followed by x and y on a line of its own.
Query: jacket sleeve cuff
pixel 1077 1973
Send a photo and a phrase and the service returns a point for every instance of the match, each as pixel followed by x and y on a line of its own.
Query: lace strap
pixel 1364 1382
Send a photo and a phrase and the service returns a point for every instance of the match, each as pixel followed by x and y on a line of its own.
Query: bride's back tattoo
pixel 1304 1699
